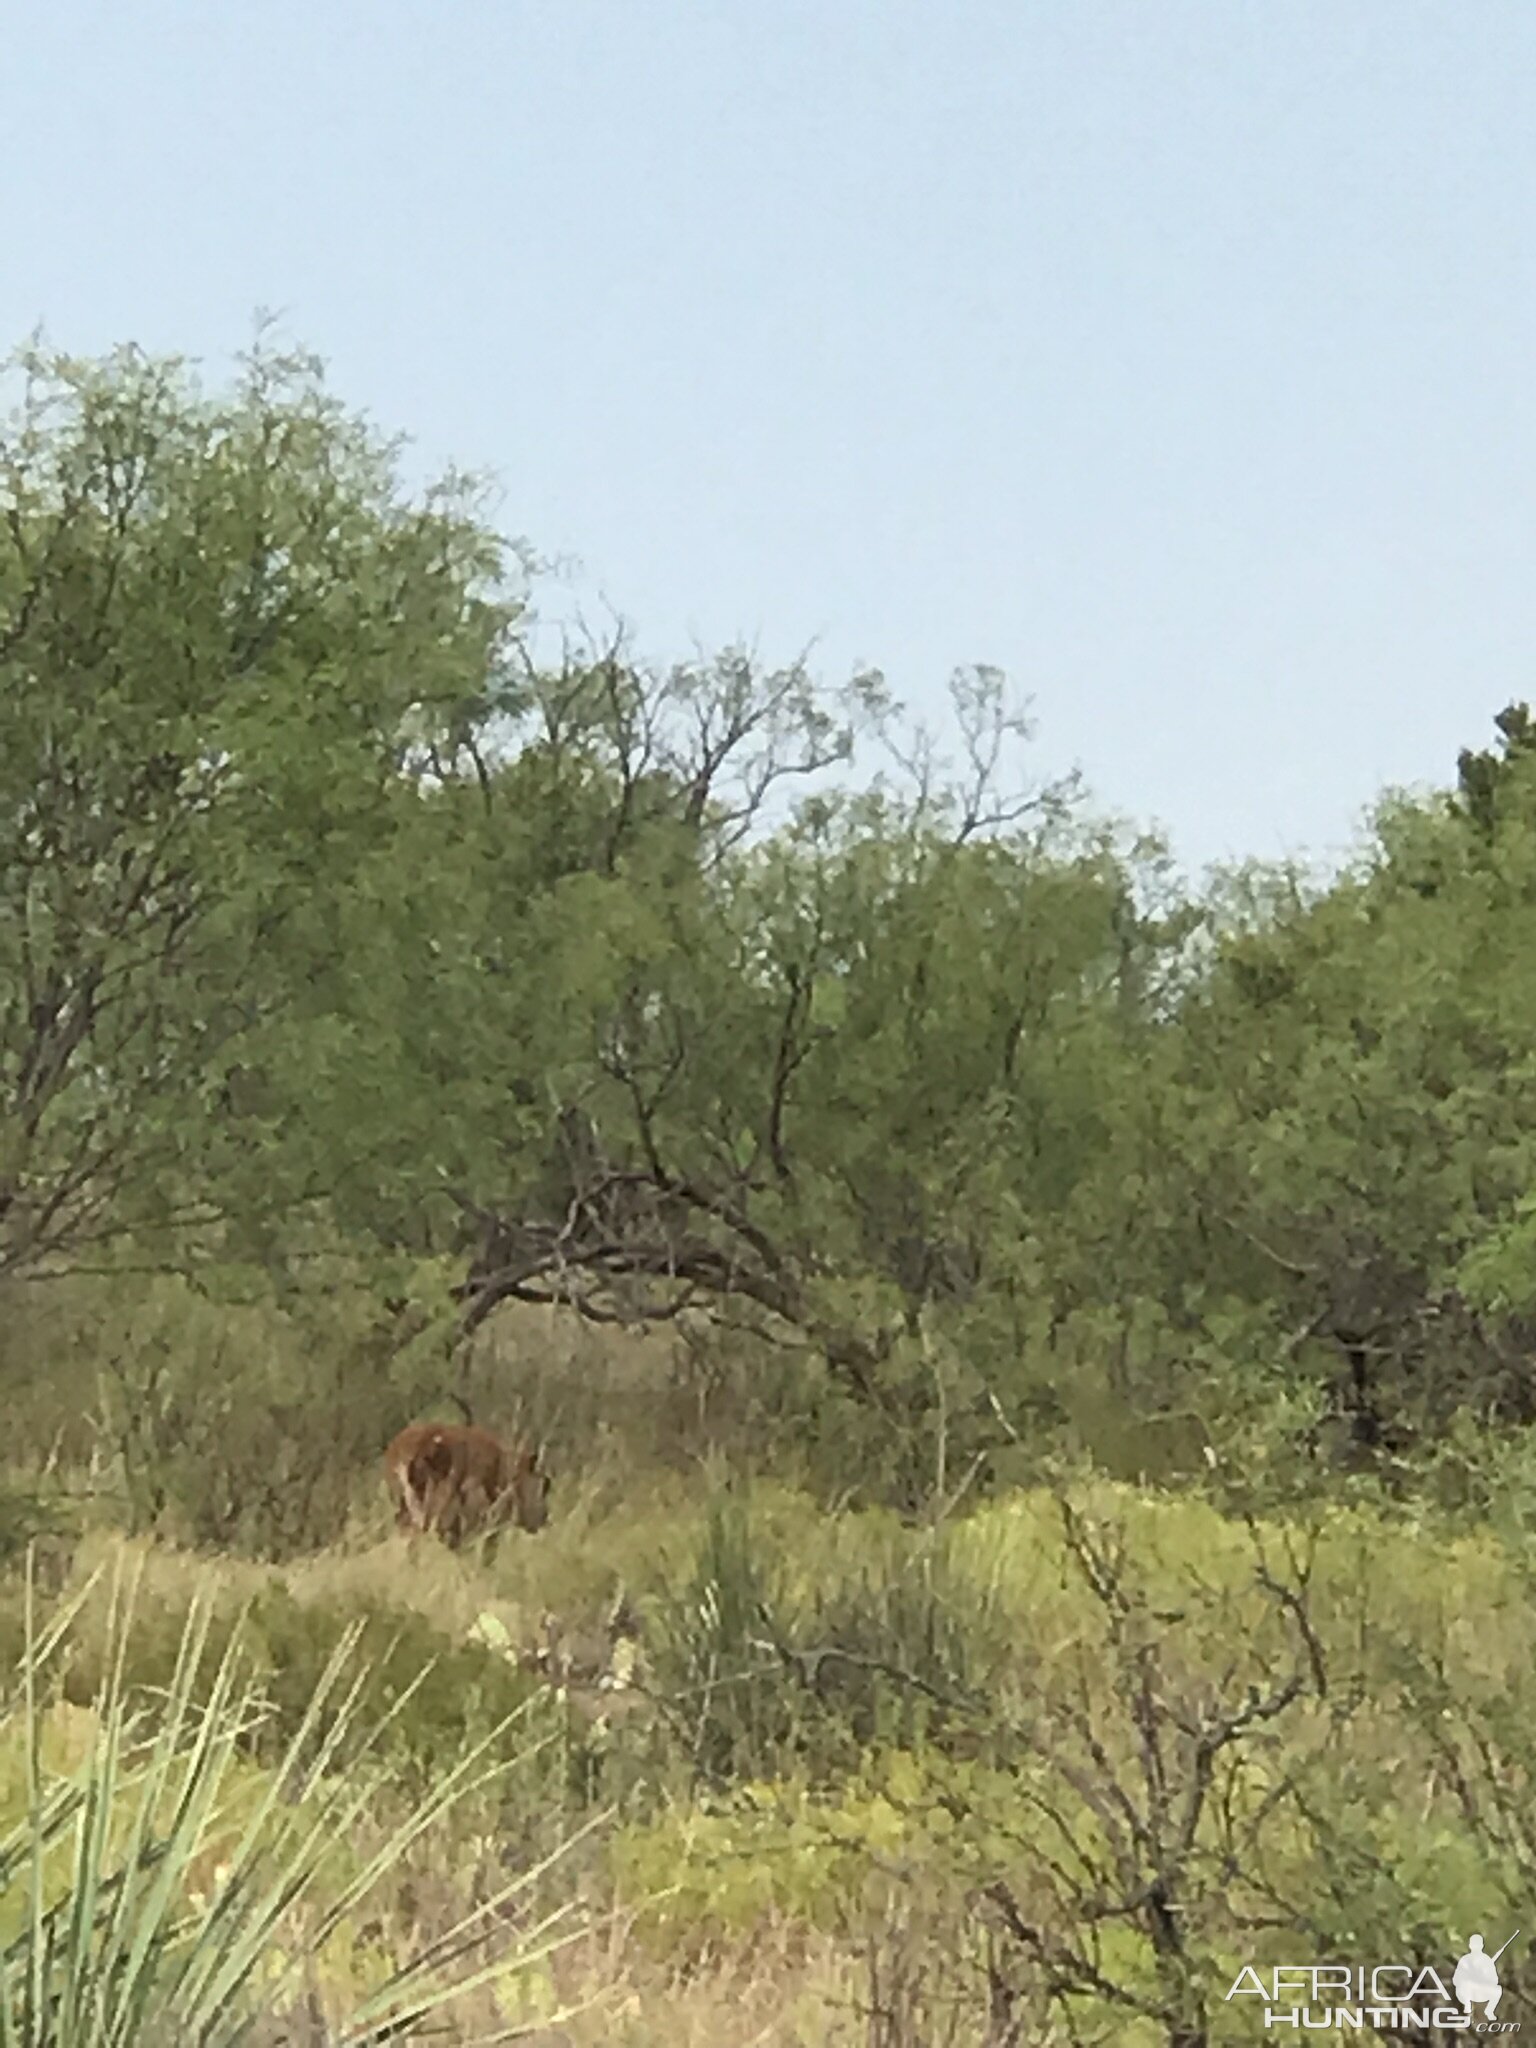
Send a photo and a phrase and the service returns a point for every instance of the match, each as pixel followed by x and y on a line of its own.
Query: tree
pixel 1354 1159
pixel 813 1077
pixel 225 637
pixel 1480 773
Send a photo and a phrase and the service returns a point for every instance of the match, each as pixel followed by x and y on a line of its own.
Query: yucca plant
pixel 120 1945
pixel 730 1700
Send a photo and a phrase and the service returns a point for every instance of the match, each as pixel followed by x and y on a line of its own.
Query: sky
pixel 1174 356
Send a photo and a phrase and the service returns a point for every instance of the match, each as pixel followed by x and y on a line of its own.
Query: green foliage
pixel 930 1714
pixel 163 1892
pixel 1361 1152
pixel 349 957
pixel 238 1416
pixel 30 1515
pixel 891 1638
pixel 336 932
pixel 768 1852
pixel 713 1658
pixel 443 1699
pixel 434 1697
pixel 1301 1731
pixel 224 627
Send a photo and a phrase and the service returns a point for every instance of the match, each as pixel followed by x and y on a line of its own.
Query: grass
pixel 890 1715
pixel 155 1887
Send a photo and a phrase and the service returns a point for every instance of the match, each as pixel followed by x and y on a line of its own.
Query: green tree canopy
pixel 225 633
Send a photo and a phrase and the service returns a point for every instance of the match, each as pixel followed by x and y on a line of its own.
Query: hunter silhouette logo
pixel 1389 1997
pixel 1476 1981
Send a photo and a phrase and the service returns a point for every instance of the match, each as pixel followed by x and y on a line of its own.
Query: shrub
pixel 165 1893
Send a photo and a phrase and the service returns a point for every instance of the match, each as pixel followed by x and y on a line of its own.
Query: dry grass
pixel 623 1523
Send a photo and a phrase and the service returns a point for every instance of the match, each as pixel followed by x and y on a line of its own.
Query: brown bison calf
pixel 454 1478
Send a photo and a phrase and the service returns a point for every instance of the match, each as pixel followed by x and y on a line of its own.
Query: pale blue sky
pixel 1174 355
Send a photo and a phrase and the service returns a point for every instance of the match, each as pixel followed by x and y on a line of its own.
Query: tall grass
pixel 161 1891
